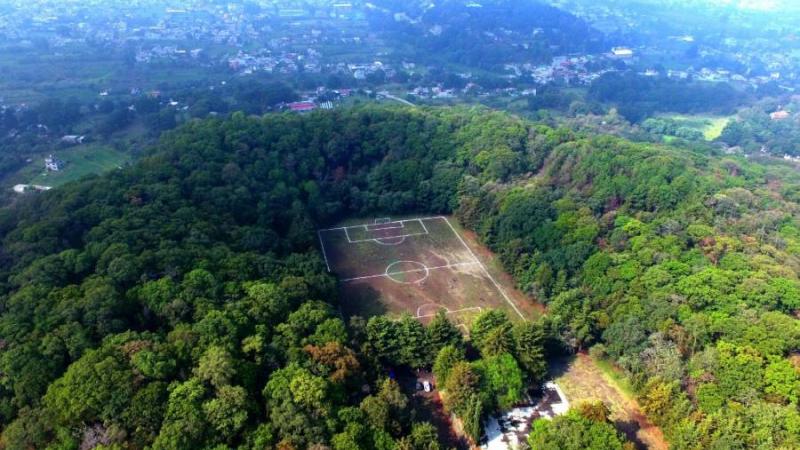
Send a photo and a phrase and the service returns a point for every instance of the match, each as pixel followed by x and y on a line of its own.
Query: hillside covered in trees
pixel 183 302
pixel 483 35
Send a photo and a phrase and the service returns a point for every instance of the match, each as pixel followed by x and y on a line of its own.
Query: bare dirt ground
pixel 529 306
pixel 582 380
pixel 419 274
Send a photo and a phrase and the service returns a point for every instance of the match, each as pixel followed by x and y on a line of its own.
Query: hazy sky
pixel 762 5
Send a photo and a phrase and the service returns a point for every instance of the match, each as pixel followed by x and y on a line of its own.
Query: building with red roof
pixel 302 107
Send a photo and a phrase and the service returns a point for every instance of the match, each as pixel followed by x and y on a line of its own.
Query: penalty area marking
pixel 376 227
pixel 415 219
pixel 382 226
pixel 381 241
pixel 446 311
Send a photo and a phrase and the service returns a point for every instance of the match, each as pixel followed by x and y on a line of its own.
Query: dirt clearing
pixel 582 379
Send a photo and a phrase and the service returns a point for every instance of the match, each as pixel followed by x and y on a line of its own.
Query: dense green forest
pixel 182 302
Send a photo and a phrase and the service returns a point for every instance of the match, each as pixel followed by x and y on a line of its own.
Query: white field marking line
pixel 358 241
pixel 346 234
pixel 424 227
pixel 473 308
pixel 322 246
pixel 389 274
pixel 433 304
pixel 378 241
pixel 382 226
pixel 404 220
pixel 486 271
pixel 468 263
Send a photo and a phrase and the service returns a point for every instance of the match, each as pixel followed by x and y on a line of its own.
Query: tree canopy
pixel 182 302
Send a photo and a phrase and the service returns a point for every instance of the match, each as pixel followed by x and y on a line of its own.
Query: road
pixel 395 98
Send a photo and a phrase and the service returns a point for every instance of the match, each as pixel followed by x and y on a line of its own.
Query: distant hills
pixel 483 33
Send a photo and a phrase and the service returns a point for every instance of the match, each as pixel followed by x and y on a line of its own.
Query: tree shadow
pixel 558 366
pixel 361 299
pixel 429 408
pixel 630 428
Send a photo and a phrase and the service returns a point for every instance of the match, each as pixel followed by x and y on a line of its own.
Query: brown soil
pixel 529 305
pixel 426 273
pixel 583 380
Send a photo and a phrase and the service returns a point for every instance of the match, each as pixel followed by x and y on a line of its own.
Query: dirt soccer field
pixel 415 266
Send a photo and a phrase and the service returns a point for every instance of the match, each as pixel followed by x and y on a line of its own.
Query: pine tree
pixel 485 323
pixel 529 349
pixel 473 418
pixel 447 358
pixel 415 350
pixel 442 332
pixel 462 383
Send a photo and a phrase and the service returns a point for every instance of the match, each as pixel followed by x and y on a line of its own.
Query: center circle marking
pixel 407 272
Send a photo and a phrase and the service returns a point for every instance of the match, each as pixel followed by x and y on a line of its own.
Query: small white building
pixel 73 139
pixel 508 430
pixel 53 163
pixel 622 52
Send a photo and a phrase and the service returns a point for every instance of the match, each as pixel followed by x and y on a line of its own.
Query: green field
pixel 710 126
pixel 80 161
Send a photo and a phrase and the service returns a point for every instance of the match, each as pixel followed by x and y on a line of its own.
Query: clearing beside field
pixel 81 160
pixel 585 379
pixel 710 126
pixel 415 266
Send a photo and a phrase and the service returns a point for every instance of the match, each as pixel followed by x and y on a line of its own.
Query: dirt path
pixel 581 379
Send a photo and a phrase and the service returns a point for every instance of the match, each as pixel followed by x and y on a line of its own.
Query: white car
pixel 427 386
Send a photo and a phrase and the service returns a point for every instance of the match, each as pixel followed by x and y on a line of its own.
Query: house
pixel 779 115
pixel 53 163
pixel 72 139
pixel 622 52
pixel 302 107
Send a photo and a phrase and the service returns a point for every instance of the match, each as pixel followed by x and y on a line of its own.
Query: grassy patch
pixel 613 375
pixel 80 161
pixel 710 126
